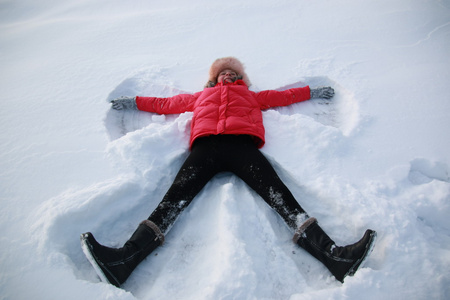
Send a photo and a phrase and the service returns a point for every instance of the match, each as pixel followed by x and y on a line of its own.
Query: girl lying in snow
pixel 226 134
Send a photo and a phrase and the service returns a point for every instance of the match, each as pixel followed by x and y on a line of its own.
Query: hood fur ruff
pixel 223 63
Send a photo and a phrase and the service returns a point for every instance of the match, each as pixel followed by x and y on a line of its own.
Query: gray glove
pixel 322 92
pixel 124 103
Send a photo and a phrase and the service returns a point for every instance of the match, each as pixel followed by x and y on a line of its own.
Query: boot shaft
pixel 146 236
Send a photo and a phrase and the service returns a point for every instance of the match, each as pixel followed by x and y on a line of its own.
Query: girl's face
pixel 227 75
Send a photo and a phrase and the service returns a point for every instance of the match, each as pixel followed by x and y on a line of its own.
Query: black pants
pixel 226 153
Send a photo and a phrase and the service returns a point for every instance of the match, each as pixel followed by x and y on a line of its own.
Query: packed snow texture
pixel 376 156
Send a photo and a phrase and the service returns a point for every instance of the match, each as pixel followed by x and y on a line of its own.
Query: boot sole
pixel 87 252
pixel 359 263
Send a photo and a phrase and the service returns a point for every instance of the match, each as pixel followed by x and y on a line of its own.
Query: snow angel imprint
pixel 227 132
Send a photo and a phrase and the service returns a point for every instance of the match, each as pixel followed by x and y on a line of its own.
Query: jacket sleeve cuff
pixel 145 103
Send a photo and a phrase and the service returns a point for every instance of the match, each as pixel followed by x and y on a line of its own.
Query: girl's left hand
pixel 322 92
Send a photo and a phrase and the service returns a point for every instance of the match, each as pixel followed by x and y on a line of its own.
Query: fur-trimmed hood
pixel 223 63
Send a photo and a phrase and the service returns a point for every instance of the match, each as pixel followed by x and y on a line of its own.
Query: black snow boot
pixel 341 261
pixel 115 265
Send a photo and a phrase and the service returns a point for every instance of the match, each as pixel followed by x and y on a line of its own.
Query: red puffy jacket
pixel 229 108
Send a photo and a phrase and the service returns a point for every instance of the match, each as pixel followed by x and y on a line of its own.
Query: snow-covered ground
pixel 379 157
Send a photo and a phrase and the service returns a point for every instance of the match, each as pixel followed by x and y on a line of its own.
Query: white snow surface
pixel 381 160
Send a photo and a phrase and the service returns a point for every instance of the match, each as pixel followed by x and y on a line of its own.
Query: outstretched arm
pixel 272 98
pixel 170 105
